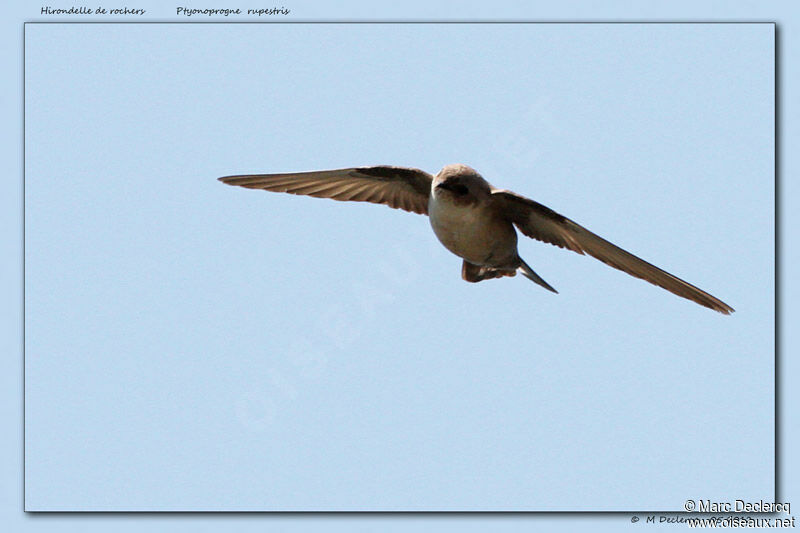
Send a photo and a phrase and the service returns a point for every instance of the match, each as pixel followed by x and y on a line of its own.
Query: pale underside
pixel 410 189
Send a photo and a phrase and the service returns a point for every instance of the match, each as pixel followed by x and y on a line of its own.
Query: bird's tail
pixel 533 276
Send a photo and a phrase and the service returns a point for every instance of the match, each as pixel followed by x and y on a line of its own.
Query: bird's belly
pixel 473 234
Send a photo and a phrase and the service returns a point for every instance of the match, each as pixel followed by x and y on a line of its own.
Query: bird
pixel 472 219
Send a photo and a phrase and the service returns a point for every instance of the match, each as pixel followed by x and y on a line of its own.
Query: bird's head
pixel 460 183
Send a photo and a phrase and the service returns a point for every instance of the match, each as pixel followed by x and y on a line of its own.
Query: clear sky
pixel 192 346
pixel 196 346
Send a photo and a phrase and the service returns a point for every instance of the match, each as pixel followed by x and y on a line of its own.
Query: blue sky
pixel 328 355
pixel 194 346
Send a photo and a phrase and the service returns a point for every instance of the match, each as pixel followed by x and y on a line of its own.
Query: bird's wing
pixel 542 223
pixel 398 187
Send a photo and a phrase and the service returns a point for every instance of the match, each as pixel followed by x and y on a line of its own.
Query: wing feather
pixel 542 223
pixel 398 187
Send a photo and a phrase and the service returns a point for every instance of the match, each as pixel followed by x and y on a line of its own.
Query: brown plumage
pixel 472 219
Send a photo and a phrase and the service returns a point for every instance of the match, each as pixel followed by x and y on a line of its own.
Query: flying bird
pixel 472 219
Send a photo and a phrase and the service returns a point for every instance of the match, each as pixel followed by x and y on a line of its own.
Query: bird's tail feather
pixel 533 276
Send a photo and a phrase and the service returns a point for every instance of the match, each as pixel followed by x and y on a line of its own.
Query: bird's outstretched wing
pixel 398 187
pixel 542 223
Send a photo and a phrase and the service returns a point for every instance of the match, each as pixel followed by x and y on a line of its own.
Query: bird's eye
pixel 459 189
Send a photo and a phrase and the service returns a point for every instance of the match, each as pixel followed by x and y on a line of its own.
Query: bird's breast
pixel 472 232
